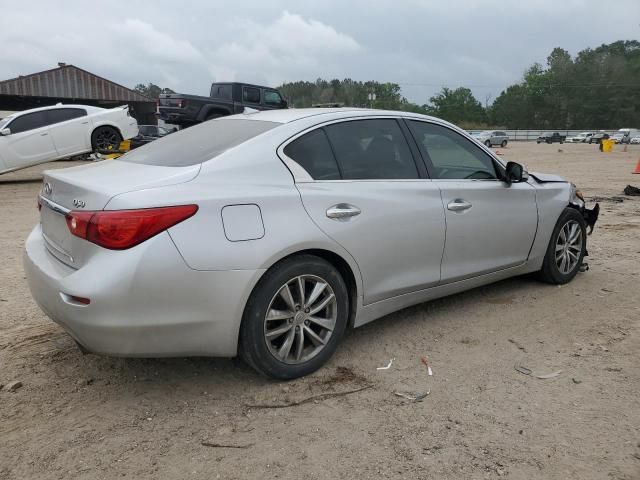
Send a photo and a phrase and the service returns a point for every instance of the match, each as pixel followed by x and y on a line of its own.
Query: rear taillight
pixel 122 229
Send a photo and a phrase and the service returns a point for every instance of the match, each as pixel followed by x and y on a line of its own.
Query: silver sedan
pixel 270 234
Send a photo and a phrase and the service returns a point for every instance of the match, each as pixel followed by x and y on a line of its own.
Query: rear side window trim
pixel 300 175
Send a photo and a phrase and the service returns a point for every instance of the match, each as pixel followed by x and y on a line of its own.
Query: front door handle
pixel 343 210
pixel 44 134
pixel 459 205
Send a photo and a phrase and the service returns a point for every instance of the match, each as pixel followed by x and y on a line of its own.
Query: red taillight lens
pixel 122 229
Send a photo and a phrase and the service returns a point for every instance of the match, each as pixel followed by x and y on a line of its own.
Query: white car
pixel 635 140
pixel 44 134
pixel 580 138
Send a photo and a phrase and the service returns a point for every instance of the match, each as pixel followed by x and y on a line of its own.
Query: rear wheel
pixel 566 249
pixel 105 138
pixel 503 144
pixel 295 318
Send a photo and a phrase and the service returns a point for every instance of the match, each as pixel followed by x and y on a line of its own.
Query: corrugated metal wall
pixel 69 82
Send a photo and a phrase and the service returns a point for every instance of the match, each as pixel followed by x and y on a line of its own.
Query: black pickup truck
pixel 551 138
pixel 225 99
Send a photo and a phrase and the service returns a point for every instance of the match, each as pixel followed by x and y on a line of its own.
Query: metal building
pixel 70 84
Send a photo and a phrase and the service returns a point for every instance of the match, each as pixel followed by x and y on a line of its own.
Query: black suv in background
pixel 225 99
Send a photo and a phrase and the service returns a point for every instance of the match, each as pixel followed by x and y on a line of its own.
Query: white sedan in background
pixel 44 134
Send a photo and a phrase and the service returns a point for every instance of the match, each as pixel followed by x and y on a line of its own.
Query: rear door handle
pixel 44 134
pixel 459 205
pixel 343 210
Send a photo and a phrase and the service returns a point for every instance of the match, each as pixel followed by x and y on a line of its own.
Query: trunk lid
pixel 90 187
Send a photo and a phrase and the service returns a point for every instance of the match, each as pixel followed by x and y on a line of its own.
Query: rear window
pixel 198 144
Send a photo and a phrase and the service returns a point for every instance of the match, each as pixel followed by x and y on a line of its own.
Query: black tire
pixel 488 143
pixel 254 348
pixel 503 144
pixel 106 138
pixel 550 271
pixel 538 142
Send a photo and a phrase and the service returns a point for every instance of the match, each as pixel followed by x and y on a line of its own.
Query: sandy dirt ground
pixel 86 417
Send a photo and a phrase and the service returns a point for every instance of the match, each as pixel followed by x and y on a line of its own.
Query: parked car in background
pixel 624 135
pixel 598 137
pixel 618 137
pixel 580 138
pixel 551 138
pixel 225 99
pixel 237 235
pixel 635 140
pixel 493 137
pixel 44 134
pixel 149 133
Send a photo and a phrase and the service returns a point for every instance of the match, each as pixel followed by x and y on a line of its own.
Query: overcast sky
pixel 422 45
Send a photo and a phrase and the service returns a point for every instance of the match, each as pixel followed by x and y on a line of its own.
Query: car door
pixel 70 130
pixel 29 142
pixel 490 225
pixel 360 183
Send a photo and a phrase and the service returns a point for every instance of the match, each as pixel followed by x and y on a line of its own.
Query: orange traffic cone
pixel 637 170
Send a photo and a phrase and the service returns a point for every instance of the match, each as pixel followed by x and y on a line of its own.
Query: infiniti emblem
pixel 78 203
pixel 47 188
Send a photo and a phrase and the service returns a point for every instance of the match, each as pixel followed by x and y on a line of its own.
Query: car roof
pixel 288 115
pixel 53 107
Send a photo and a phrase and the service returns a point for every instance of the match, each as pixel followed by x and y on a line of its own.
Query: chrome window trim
pixel 300 175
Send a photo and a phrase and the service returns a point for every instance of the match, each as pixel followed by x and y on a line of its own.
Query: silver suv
pixel 493 137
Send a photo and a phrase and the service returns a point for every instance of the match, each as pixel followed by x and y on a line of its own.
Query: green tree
pixel 457 106
pixel 151 90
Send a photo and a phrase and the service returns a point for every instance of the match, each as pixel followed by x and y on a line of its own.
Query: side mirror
pixel 285 103
pixel 515 173
pixel 5 131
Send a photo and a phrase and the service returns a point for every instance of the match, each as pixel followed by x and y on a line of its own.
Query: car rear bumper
pixel 145 302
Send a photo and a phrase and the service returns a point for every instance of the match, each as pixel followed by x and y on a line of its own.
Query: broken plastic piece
pixel 418 397
pixel 388 366
pixel 549 375
pixel 523 370
pixel 425 360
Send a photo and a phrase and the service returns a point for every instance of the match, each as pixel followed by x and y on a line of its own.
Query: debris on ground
pixel 222 445
pixel 314 398
pixel 13 386
pixel 632 191
pixel 523 370
pixel 388 365
pixel 614 199
pixel 584 267
pixel 425 360
pixel 518 345
pixel 549 375
pixel 576 381
pixel 414 397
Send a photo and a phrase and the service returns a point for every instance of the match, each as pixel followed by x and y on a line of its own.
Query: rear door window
pixel 313 153
pixel 199 143
pixel 371 149
pixel 59 115
pixel 221 91
pixel 28 121
pixel 251 95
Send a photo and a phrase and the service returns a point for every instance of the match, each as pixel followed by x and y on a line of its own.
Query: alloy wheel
pixel 300 319
pixel 107 138
pixel 568 247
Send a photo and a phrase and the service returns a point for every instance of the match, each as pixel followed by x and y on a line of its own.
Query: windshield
pixel 197 144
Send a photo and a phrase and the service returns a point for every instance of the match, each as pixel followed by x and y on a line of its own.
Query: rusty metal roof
pixel 69 81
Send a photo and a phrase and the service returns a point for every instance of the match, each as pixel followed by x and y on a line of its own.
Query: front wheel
pixel 566 249
pixel 295 318
pixel 488 143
